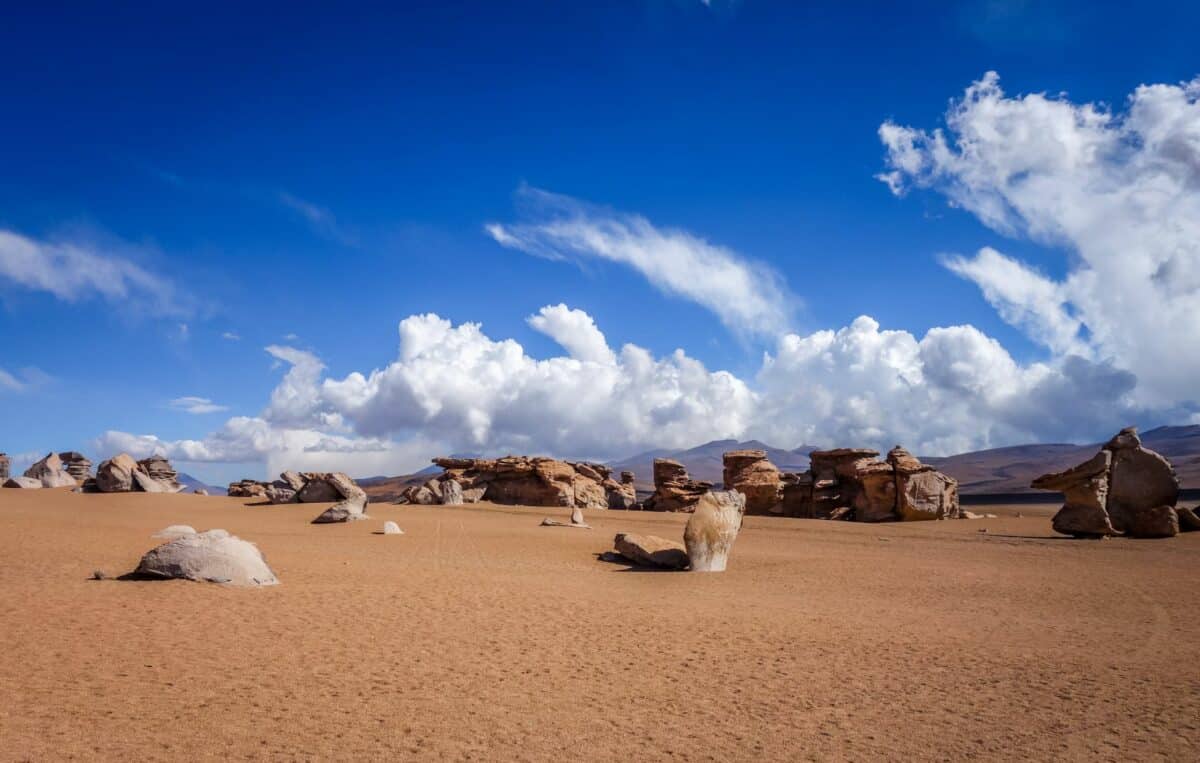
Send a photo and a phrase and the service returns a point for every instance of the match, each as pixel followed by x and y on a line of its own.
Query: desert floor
pixel 480 635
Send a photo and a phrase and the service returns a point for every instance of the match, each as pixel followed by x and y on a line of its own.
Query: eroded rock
pixel 674 490
pixel 712 529
pixel 651 551
pixel 214 556
pixel 750 473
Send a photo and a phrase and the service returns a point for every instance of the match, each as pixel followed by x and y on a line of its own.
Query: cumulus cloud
pixel 1119 191
pixel 748 296
pixel 75 271
pixel 196 405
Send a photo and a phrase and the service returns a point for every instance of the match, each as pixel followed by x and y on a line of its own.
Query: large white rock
pixel 391 528
pixel 214 556
pixel 452 493
pixel 28 483
pixel 148 484
pixel 712 528
pixel 172 532
pixel 348 510
pixel 50 472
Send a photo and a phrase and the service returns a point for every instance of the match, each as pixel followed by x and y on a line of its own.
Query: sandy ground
pixel 479 635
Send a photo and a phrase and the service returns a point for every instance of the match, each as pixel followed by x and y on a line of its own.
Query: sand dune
pixel 480 635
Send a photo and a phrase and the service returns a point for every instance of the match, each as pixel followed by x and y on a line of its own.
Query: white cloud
pixel 10 382
pixel 231 336
pixel 748 296
pixel 196 405
pixel 73 271
pixel 1119 191
pixel 575 331
pixel 24 379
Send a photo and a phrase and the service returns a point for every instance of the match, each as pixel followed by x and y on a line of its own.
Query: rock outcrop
pixel 522 480
pixel 852 483
pixel 247 489
pixel 651 551
pixel 159 469
pixel 1124 488
pixel 116 474
pixel 347 510
pixel 301 487
pixel 122 474
pixel 5 465
pixel 77 465
pixel 751 474
pixel 712 529
pixel 214 556
pixel 674 490
pixel 26 483
pixel 49 471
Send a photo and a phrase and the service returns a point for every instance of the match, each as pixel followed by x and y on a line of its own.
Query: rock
pixel 712 529
pixel 1189 521
pixel 391 528
pixel 247 489
pixel 798 495
pixel 923 495
pixel 317 489
pixel 49 471
pixel 577 516
pixel 875 496
pixel 349 510
pixel 280 492
pixel 528 481
pixel 750 473
pixel 199 491
pixel 674 490
pixel 1085 490
pixel 420 496
pixel 1154 522
pixel 903 461
pixel 147 484
pixel 175 531
pixel 452 493
pixel 1140 481
pixel 116 474
pixel 5 465
pixel 293 480
pixel 214 556
pixel 77 465
pixel 159 469
pixel 651 551
pixel 28 483
pixel 620 495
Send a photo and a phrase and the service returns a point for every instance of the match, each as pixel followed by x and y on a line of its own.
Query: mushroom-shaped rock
pixel 28 483
pixel 349 510
pixel 391 528
pixel 712 528
pixel 50 472
pixel 1085 490
pixel 214 556
pixel 651 551
pixel 750 473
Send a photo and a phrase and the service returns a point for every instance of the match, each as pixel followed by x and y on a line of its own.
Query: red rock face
pixel 674 490
pixel 751 474
pixel 527 481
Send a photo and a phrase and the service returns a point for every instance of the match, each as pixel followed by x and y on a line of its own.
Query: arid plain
pixel 480 635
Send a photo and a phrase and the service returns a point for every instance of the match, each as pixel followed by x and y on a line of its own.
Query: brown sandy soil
pixel 479 635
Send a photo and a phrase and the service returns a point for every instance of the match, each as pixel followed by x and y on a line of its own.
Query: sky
pixel 260 237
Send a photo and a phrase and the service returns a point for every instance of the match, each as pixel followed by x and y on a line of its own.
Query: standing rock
pixel 750 473
pixel 452 493
pixel 651 551
pixel 77 465
pixel 926 494
pixel 49 471
pixel 5 465
pixel 116 474
pixel 1085 490
pixel 1140 481
pixel 214 556
pixel 712 529
pixel 674 490
pixel 875 497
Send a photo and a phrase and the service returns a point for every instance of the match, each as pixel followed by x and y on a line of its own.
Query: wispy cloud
pixel 232 336
pixel 77 270
pixel 24 379
pixel 748 296
pixel 196 405
pixel 320 218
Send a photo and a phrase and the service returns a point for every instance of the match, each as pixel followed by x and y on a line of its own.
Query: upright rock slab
pixel 712 529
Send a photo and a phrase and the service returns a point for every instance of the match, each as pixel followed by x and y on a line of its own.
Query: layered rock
pixel 522 480
pixel 159 469
pixel 674 490
pixel 77 465
pixel 247 489
pixel 214 556
pixel 712 529
pixel 49 471
pixel 5 465
pixel 301 487
pixel 852 483
pixel 751 474
pixel 122 474
pixel 1124 488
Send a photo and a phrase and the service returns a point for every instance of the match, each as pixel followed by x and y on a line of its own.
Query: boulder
pixel 348 510
pixel 421 496
pixel 293 480
pixel 5 465
pixel 1140 481
pixel 77 465
pixel 750 473
pixel 620 495
pixel 712 529
pixel 926 494
pixel 147 484
pixel 674 490
pixel 1085 492
pixel 1189 520
pixel 116 474
pixel 1153 522
pixel 28 483
pixel 172 532
pixel 391 528
pixel 875 498
pixel 49 471
pixel 281 491
pixel 159 469
pixel 247 489
pixel 452 493
pixel 651 551
pixel 214 556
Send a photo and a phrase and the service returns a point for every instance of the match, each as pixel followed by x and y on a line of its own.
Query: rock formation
pixel 1124 488
pixel 121 474
pixel 27 483
pixel 77 465
pixel 751 474
pixel 391 528
pixel 116 474
pixel 674 490
pixel 301 487
pixel 247 489
pixel 214 556
pixel 852 483
pixel 522 480
pixel 159 469
pixel 49 471
pixel 347 510
pixel 712 529
pixel 5 465
pixel 651 551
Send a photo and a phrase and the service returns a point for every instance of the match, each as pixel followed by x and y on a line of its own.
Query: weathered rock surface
pixel 1124 488
pixel 452 493
pixel 214 556
pixel 281 491
pixel 247 489
pixel 5 465
pixel 751 474
pixel 172 532
pixel 1189 520
pixel 651 551
pixel 27 483
pixel 674 490
pixel 348 510
pixel 147 484
pixel 712 529
pixel 391 528
pixel 77 465
pixel 522 480
pixel 159 469
pixel 49 471
pixel 116 474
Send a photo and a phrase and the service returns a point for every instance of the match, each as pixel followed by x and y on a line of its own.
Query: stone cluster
pixel 853 484
pixel 674 490
pixel 526 481
pixel 48 472
pixel 301 487
pixel 122 474
pixel 1123 489
pixel 707 538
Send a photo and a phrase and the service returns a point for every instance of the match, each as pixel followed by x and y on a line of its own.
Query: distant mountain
pixel 1010 470
pixel 704 462
pixel 190 484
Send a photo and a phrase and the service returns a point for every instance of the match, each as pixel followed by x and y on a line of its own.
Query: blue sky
pixel 307 178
